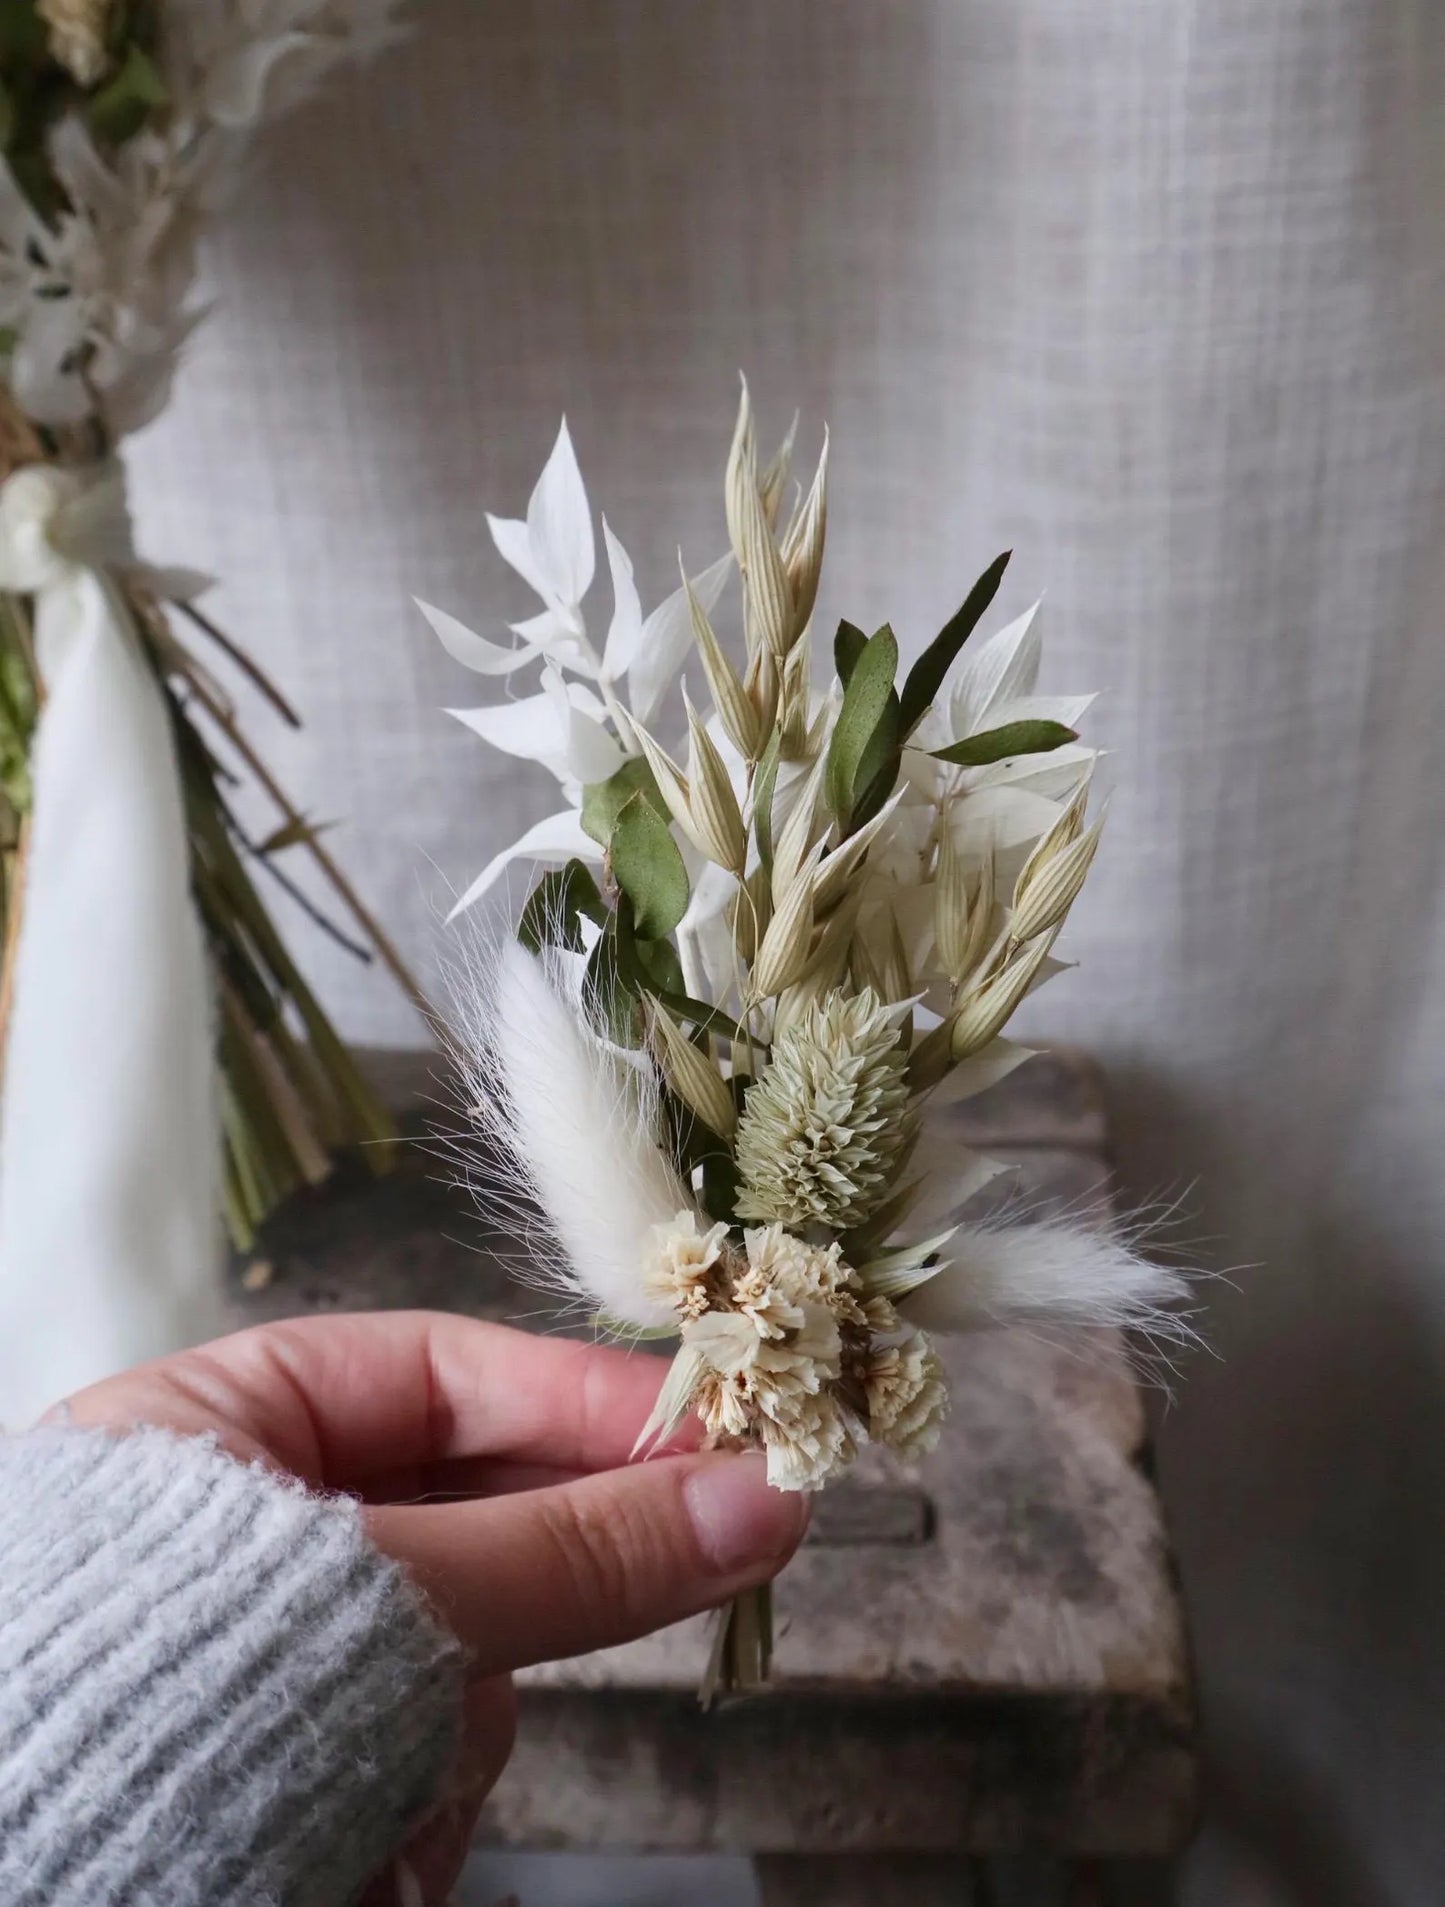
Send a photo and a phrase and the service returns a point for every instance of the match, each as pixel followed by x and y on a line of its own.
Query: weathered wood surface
pixel 983 1652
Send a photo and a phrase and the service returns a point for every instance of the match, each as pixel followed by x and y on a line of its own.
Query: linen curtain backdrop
pixel 1151 291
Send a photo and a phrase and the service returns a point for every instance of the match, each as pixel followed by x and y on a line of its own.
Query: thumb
pixel 597 1561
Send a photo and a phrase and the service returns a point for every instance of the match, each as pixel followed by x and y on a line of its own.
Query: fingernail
pixel 408 1887
pixel 737 1515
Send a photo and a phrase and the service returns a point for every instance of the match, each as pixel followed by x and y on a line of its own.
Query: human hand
pixel 494 1467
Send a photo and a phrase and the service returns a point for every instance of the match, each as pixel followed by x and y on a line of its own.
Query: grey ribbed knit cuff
pixel 213 1690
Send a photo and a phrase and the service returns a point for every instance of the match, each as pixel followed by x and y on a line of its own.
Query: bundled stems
pixel 741 1659
pixel 291 1092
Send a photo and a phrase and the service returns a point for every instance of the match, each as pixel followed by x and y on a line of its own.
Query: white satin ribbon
pixel 109 1150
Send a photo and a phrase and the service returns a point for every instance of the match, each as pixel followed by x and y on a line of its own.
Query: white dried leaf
pixel 473 651
pixel 625 631
pixel 559 526
pixel 666 637
pixel 553 840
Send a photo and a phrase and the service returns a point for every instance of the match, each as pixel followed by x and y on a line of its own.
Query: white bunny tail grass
pixel 1050 1273
pixel 569 1124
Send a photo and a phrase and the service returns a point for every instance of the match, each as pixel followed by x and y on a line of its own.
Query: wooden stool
pixel 984 1653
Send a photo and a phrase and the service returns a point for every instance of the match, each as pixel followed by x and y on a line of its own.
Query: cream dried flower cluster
pixel 783 1344
pixel 723 1052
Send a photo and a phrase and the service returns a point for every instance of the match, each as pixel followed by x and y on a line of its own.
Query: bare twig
pixel 362 915
pixel 251 670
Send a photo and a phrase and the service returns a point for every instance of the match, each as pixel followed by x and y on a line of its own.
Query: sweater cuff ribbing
pixel 212 1688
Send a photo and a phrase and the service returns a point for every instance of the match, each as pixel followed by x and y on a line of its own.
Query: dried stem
pixel 368 923
pixel 14 911
pixel 742 1651
pixel 252 671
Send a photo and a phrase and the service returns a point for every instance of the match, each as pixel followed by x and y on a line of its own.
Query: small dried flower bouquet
pixel 719 1054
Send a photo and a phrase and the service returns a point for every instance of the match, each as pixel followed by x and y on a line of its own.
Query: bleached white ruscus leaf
pixel 554 839
pixel 666 636
pixel 559 524
pixel 624 633
pixel 558 727
pixel 590 752
pixel 994 672
pixel 473 651
pixel 979 1071
pixel 553 550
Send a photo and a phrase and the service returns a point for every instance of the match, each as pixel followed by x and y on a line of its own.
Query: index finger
pixel 337 1399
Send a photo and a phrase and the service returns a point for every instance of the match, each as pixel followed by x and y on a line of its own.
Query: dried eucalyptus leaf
pixel 707 1019
pixel 925 678
pixel 648 867
pixel 556 906
pixel 848 644
pixel 603 801
pixel 867 725
pixel 614 1011
pixel 999 744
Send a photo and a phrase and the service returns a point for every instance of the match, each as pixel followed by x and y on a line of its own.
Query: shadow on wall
pixel 1305 1470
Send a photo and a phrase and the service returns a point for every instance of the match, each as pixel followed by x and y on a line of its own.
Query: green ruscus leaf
pixel 707 1019
pixel 925 678
pixel 613 1002
pixel 127 99
pixel 866 732
pixel 848 644
pixel 649 869
pixel 603 801
pixel 555 908
pixel 998 744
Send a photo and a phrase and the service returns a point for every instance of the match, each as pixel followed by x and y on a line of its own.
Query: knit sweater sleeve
pixel 212 1688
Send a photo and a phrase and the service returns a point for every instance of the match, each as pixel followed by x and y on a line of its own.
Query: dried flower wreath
pixel 135 935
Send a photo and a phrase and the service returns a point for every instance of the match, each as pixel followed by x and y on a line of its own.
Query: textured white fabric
pixel 1150 290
